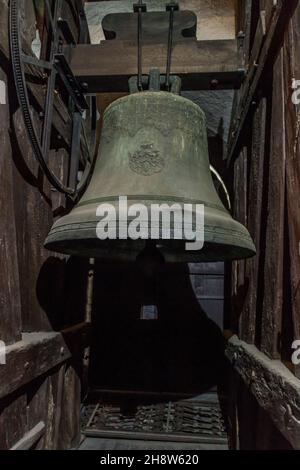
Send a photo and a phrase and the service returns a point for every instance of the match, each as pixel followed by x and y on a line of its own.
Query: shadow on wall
pixel 61 290
pixel 182 351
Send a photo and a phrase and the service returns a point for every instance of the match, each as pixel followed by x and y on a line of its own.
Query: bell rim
pixel 225 238
pixel 229 253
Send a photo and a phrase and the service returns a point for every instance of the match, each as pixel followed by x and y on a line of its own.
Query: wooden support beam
pixel 273 304
pixel 280 16
pixel 28 359
pixel 292 136
pixel 254 219
pixel 31 437
pixel 274 386
pixel 163 437
pixel 259 38
pixel 240 213
pixel 108 66
pixel 10 301
pixel 13 419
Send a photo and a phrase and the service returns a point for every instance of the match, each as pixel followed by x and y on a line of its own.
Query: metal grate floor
pixel 192 420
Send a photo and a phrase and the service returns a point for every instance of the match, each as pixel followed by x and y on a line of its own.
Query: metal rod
pixel 140 47
pixel 170 47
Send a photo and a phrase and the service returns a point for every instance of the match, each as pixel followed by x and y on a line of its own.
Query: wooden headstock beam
pixel 202 65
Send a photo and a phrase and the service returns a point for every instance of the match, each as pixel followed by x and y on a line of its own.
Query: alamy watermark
pixel 296 354
pixel 296 92
pixel 2 353
pixel 156 221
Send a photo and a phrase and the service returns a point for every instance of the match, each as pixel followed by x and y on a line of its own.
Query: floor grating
pixel 192 420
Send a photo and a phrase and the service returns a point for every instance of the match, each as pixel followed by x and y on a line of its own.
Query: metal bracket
pixel 155 82
pixel 140 7
pixel 172 6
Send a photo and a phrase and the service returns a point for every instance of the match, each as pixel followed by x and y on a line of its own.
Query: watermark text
pixel 157 222
pixel 296 354
pixel 296 92
pixel 2 353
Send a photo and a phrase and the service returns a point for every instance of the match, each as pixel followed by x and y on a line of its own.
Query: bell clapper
pixel 149 262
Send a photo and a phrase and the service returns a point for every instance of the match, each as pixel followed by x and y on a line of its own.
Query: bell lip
pixel 155 94
pixel 73 229
pixel 116 253
pixel 85 244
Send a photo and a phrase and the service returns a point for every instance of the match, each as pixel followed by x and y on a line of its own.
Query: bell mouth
pixel 171 251
pixel 224 238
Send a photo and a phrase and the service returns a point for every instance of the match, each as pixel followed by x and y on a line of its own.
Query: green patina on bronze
pixel 153 149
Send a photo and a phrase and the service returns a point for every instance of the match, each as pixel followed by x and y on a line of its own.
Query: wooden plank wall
pixel 265 160
pixel 40 407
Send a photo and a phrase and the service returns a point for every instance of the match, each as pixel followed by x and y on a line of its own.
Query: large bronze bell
pixel 153 150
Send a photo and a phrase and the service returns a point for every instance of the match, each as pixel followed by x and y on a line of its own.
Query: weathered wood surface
pixel 108 66
pixel 254 216
pixel 266 121
pixel 272 174
pixel 33 210
pixel 276 389
pixel 258 38
pixel 101 444
pixel 244 20
pixel 240 213
pixel 274 252
pixel 69 429
pixel 37 407
pixel 13 420
pixel 292 120
pixel 279 17
pixel 10 302
pixel 36 287
pixel 30 438
pixel 4 43
pixel 53 410
pixel 33 216
pixel 216 20
pixel 26 360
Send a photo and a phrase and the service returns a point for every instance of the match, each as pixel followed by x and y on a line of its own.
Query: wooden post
pixel 248 326
pixel 273 272
pixel 240 214
pixel 292 112
pixel 10 303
